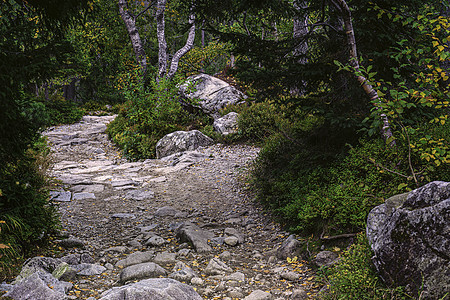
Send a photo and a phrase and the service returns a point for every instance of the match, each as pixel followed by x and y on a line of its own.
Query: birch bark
pixel 354 62
pixel 136 42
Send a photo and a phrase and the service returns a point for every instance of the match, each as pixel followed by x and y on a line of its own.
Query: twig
pixel 339 236
pixel 383 167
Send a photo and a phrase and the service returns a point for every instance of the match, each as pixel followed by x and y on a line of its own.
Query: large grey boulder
pixel 196 236
pixel 213 93
pixel 226 124
pixel 152 289
pixel 180 141
pixel 37 286
pixel 410 237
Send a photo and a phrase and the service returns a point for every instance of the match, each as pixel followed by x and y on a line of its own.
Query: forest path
pixel 120 209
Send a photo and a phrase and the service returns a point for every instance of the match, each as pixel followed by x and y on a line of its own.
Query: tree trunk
pixel 300 31
pixel 162 54
pixel 354 62
pixel 162 44
pixel 185 49
pixel 130 24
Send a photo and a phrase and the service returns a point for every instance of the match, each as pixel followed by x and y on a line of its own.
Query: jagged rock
pixel 37 264
pixel 166 211
pixel 140 195
pixel 152 289
pixel 61 196
pixel 291 247
pixel 195 236
pixel 231 241
pixel 217 267
pixel 123 216
pixel 88 269
pixel 155 241
pixel 325 258
pixel 226 124
pixel 234 232
pixel 136 258
pixel 182 272
pixel 236 276
pixel 290 275
pixel 259 295
pixel 92 188
pixel 410 237
pixel 117 249
pixel 299 294
pixel 180 141
pixel 37 286
pixel 214 93
pixel 83 196
pixel 165 258
pixel 140 271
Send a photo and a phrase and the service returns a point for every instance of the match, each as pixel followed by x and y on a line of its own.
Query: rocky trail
pixel 183 220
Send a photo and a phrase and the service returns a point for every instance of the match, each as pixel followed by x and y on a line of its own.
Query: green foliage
pixel 210 59
pixel 147 116
pixel 316 183
pixel 354 277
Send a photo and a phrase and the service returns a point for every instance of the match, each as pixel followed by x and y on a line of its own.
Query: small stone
pixel 166 211
pixel 183 252
pixel 61 196
pixel 197 281
pixel 259 295
pixel 89 269
pixel 217 267
pixel 165 258
pixel 325 258
pixel 292 276
pixel 231 241
pixel 155 241
pixel 135 244
pixel 109 266
pixel 71 243
pixel 299 294
pixel 123 216
pixel 225 255
pixel 83 196
pixel 235 294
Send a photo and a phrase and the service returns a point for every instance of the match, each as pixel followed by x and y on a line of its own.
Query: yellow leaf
pixel 435 43
pixel 3 246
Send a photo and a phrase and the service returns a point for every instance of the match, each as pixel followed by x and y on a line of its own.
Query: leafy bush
pixel 314 182
pixel 148 115
pixel 354 277
pixel 25 214
pixel 42 113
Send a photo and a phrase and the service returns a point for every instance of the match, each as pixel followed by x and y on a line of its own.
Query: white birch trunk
pixel 354 62
pixel 130 24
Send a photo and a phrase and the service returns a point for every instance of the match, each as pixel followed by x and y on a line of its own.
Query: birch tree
pixel 342 6
pixel 162 53
pixel 164 69
pixel 129 20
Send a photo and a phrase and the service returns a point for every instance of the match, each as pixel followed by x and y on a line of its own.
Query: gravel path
pixel 111 208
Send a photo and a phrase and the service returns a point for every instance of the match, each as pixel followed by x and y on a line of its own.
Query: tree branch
pixel 142 12
pixel 188 46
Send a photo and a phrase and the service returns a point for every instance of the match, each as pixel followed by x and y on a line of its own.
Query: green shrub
pixel 148 115
pixel 314 183
pixel 354 277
